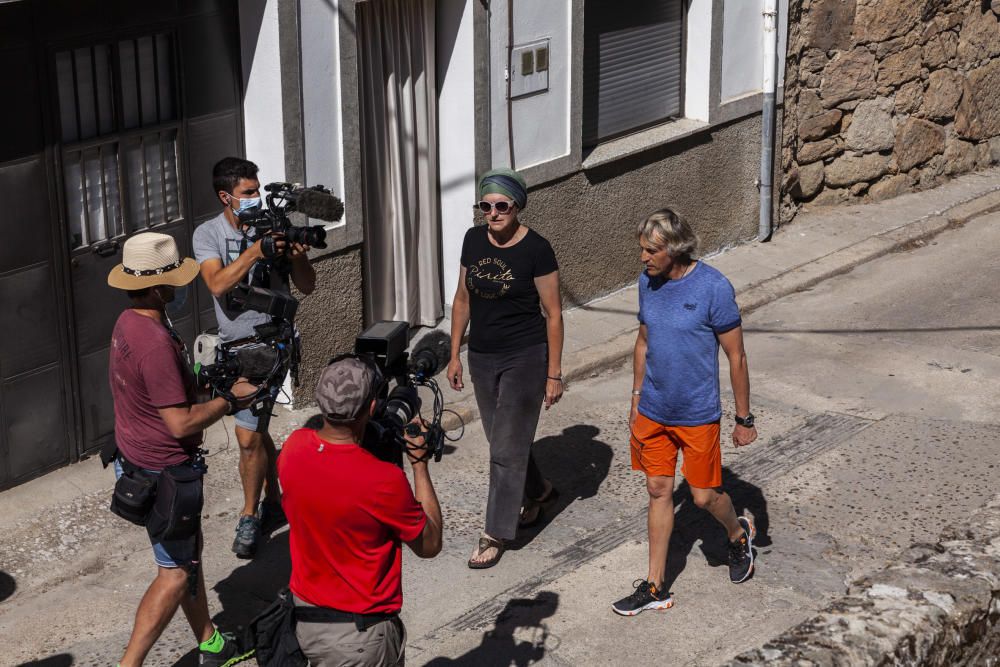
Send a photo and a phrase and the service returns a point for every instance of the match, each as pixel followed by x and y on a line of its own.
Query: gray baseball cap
pixel 345 388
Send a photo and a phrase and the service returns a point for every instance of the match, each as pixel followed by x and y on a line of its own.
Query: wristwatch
pixel 745 421
pixel 413 430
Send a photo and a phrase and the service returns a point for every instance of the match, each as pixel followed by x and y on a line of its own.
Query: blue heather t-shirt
pixel 682 318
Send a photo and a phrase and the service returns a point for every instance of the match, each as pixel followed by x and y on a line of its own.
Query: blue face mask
pixel 245 204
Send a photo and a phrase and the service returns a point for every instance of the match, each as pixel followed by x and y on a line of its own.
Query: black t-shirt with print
pixel 505 310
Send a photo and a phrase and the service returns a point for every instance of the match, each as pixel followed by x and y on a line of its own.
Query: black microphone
pixel 319 204
pixel 430 354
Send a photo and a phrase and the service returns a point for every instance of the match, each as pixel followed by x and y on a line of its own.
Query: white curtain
pixel 399 161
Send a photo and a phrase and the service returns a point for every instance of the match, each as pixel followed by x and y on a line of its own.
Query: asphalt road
pixel 876 397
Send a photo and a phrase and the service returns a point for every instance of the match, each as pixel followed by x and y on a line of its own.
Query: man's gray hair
pixel 666 229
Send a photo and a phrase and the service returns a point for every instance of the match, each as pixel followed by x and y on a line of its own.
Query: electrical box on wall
pixel 530 68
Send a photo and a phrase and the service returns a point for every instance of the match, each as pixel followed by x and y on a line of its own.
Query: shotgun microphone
pixel 315 202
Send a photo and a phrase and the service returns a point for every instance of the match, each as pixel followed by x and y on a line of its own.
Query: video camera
pixel 264 359
pixel 385 343
pixel 284 198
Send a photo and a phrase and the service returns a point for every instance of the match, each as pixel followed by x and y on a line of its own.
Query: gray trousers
pixel 510 388
pixel 342 645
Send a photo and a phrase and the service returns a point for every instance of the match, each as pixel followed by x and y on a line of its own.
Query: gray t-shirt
pixel 217 239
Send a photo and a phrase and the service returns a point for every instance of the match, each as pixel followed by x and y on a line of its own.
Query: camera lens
pixel 313 236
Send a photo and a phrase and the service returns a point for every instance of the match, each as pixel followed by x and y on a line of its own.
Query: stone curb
pixel 594 359
pixel 938 605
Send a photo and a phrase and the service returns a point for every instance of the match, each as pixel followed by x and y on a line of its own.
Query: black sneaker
pixel 247 536
pixel 231 653
pixel 645 597
pixel 741 553
pixel 271 516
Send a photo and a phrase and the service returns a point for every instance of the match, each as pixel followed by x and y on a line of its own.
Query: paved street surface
pixel 876 395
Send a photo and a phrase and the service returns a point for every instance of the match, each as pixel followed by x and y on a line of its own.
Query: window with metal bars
pixel 118 114
pixel 633 66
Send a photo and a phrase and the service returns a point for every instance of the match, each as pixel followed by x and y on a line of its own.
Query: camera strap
pixel 185 353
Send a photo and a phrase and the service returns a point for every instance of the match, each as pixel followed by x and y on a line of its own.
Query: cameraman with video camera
pixel 348 513
pixel 155 452
pixel 230 253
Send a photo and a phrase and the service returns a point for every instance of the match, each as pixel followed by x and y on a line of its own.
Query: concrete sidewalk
pixel 820 244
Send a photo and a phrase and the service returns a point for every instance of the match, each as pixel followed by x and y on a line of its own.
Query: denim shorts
pixel 248 420
pixel 169 553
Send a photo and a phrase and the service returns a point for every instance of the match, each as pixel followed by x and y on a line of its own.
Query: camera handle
pixel 261 409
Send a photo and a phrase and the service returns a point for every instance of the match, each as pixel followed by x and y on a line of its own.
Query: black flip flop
pixel 486 542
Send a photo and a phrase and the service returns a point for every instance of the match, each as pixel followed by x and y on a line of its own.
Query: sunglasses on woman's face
pixel 502 207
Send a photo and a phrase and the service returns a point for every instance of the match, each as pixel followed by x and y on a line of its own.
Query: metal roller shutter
pixel 633 66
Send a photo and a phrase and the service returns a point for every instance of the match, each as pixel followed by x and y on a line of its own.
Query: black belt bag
pixel 176 513
pixel 272 634
pixel 134 494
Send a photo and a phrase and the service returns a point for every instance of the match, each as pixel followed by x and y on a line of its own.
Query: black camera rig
pixel 284 198
pixel 384 344
pixel 273 352
pixel 264 359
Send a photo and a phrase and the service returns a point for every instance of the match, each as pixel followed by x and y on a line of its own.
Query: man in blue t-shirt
pixel 687 310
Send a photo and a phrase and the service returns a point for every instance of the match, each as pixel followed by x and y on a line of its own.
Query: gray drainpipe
pixel 767 121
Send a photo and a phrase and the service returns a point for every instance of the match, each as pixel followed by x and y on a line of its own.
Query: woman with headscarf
pixel 509 275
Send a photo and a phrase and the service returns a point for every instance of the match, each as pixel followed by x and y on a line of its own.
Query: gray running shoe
pixel 247 537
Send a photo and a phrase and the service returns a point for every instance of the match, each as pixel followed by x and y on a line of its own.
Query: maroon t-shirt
pixel 147 371
pixel 348 513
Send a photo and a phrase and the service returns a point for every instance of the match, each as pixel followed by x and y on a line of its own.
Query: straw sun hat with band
pixel 150 259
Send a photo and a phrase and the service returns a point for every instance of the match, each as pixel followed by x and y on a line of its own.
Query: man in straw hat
pixel 158 424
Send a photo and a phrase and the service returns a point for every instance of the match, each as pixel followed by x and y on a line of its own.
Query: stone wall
pixel 884 97
pixel 939 605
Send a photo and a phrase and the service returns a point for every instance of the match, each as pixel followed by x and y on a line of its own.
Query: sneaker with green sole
pixel 229 652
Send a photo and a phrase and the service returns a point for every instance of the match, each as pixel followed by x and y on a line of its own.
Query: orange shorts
pixel 655 446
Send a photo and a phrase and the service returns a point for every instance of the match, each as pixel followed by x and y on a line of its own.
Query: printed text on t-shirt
pixel 489 270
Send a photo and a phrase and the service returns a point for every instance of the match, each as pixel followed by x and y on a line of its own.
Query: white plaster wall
pixel 262 76
pixel 319 20
pixel 742 41
pixel 456 132
pixel 742 46
pixel 698 60
pixel 541 121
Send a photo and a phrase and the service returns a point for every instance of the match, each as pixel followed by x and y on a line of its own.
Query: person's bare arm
pixel 739 376
pixel 220 279
pixel 638 371
pixel 185 420
pixel 303 273
pixel 548 293
pixel 189 419
pixel 429 542
pixel 459 323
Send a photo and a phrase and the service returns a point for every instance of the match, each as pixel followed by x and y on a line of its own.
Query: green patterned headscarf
pixel 507 182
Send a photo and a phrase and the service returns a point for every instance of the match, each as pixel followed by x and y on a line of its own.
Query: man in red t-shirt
pixel 158 424
pixel 348 514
